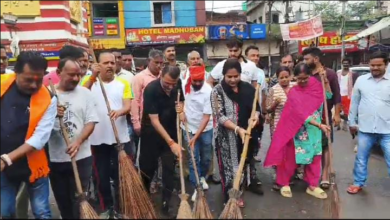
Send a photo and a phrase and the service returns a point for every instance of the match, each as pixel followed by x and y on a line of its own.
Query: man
pixel 197 115
pixel 119 70
pixel 78 110
pixel 140 81
pixel 170 58
pixel 159 130
pixel 193 59
pixel 4 60
pixel 128 76
pixel 127 62
pixel 287 61
pixel 103 139
pixel 346 80
pixel 28 111
pixel 249 72
pixel 312 57
pixel 369 116
pixel 66 51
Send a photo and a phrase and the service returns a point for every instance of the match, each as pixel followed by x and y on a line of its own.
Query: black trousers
pixel 153 147
pixel 105 167
pixel 64 186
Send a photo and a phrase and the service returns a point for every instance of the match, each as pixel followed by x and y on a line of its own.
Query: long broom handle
pixel 105 96
pixel 237 179
pixel 67 142
pixel 183 187
pixel 327 124
pixel 192 155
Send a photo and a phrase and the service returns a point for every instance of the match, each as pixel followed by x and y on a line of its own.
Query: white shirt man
pixel 249 71
pixel 197 110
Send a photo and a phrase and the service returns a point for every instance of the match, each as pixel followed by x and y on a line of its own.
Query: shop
pixel 140 41
pixel 330 44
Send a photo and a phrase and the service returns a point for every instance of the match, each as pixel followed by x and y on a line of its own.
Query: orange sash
pixel 37 160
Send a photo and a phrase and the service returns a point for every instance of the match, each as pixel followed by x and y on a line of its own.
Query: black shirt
pixel 156 101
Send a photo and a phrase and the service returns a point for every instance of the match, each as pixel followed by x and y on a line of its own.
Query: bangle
pixel 235 130
pixel 6 159
pixel 171 142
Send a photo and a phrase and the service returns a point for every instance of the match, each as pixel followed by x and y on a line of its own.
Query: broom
pixel 232 210
pixel 184 211
pixel 133 198
pixel 201 208
pixel 86 210
pixel 333 206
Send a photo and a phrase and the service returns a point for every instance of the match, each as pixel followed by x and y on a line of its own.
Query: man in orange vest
pixel 28 111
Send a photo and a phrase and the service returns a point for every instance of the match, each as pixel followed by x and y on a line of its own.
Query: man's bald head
pixel 193 58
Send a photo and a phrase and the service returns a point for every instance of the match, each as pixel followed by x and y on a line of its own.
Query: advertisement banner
pixel 177 35
pixel 222 32
pixel 303 30
pixel 330 42
pixel 258 31
pixel 21 8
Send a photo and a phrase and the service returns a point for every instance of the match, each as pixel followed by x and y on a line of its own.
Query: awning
pixel 383 23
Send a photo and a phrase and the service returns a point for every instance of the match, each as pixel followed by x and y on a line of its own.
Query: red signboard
pixel 98 26
pixel 330 42
pixel 181 35
pixel 112 26
pixel 39 47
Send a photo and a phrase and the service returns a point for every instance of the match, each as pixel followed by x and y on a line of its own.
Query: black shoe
pixel 255 187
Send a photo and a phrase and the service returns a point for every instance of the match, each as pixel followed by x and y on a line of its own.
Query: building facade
pixel 106 24
pixel 156 23
pixel 44 26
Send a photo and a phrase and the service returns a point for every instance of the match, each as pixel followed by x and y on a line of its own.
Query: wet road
pixel 373 202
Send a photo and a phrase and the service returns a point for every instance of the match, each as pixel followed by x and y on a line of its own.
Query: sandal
pixel 285 191
pixel 317 192
pixel 240 203
pixel 325 184
pixel 352 189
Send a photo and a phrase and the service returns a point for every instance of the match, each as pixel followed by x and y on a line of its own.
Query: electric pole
pixel 342 31
pixel 269 35
pixel 286 20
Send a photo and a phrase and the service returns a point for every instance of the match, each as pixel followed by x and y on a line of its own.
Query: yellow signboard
pixel 21 8
pixel 101 44
pixel 112 32
pixel 75 11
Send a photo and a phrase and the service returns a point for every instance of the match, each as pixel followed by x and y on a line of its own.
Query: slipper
pixel 317 192
pixel 325 184
pixel 285 191
pixel 352 189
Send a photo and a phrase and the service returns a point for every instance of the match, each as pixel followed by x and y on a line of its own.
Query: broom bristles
pixel 86 211
pixel 232 210
pixel 201 208
pixel 184 211
pixel 134 200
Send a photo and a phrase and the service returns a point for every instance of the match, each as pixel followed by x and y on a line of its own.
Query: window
pixel 255 21
pixel 105 10
pixel 261 19
pixel 163 14
pixel 275 18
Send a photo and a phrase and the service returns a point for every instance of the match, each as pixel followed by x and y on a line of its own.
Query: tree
pixel 361 10
pixel 329 10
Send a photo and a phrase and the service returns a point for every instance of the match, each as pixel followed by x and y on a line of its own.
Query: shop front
pixel 330 44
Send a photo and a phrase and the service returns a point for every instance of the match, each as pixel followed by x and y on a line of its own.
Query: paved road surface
pixel 373 202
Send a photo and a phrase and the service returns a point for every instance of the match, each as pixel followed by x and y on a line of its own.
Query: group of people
pixel 214 108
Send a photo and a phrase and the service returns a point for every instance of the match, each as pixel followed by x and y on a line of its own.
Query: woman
pixel 297 138
pixel 232 102
pixel 278 97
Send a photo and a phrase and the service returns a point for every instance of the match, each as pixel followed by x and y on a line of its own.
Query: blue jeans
pixel 203 153
pixel 39 197
pixel 365 143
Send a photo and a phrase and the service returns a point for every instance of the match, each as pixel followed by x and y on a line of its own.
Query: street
pixel 371 203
